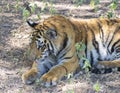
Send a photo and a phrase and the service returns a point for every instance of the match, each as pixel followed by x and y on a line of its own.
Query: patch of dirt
pixel 14 53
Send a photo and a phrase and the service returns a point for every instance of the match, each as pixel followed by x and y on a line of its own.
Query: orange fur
pixel 75 30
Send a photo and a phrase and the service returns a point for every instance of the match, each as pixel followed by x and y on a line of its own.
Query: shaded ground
pixel 14 53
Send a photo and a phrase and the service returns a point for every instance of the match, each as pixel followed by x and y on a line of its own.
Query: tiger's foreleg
pixel 57 72
pixel 30 76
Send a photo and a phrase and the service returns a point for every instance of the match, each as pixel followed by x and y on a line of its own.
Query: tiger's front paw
pixel 49 79
pixel 29 77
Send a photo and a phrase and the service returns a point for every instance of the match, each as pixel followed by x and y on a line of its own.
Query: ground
pixel 14 53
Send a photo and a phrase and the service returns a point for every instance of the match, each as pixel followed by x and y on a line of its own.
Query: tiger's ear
pixel 31 23
pixel 51 33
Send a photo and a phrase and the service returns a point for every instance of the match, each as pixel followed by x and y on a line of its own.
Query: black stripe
pixel 67 57
pixel 112 39
pixel 41 29
pixel 86 45
pixel 113 46
pixel 52 24
pixel 46 67
pixel 94 42
pixel 108 22
pixel 64 68
pixel 99 29
pixel 45 27
pixel 48 47
pixel 38 36
pixel 64 53
pixel 108 41
pixel 51 64
pixel 102 31
pixel 63 46
pixel 96 45
pixel 50 44
pixel 73 25
pixel 91 60
pixel 40 33
pixel 86 41
pixel 113 21
pixel 39 47
pixel 118 50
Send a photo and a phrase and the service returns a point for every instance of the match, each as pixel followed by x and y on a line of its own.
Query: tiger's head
pixel 55 34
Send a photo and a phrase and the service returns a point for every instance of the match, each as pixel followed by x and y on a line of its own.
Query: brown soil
pixel 14 56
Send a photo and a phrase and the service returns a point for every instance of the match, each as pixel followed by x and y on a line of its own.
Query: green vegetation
pixel 52 9
pixel 33 8
pixel 113 6
pixel 94 4
pixel 70 91
pixel 45 6
pixel 96 86
pixel 80 48
pixel 25 13
pixel 86 65
pixel 17 5
pixel 78 2
pixel 37 82
pixel 39 15
pixel 70 81
pixel 49 8
pixel 8 7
